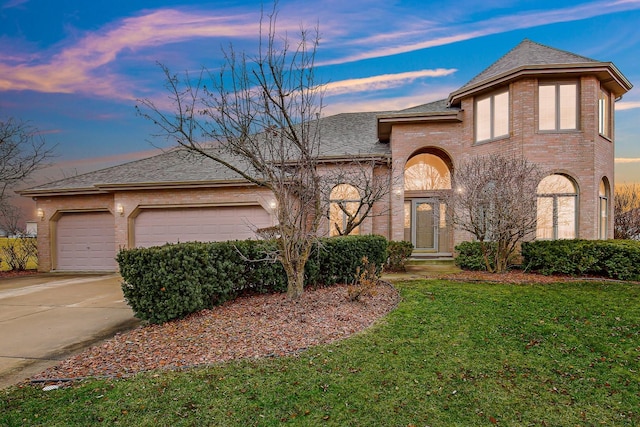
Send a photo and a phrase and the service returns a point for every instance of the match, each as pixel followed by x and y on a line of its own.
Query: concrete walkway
pixel 45 318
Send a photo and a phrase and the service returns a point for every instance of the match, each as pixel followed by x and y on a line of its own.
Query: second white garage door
pixel 155 227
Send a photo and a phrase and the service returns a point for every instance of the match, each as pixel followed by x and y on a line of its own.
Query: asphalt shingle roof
pixel 343 136
pixel 440 106
pixel 527 53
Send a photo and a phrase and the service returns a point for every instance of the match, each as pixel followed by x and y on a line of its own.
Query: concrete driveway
pixel 45 318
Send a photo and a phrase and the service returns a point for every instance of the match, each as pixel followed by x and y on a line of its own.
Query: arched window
pixel 557 208
pixel 426 172
pixel 343 209
pixel 603 197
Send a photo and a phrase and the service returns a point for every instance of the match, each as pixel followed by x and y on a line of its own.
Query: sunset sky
pixel 74 68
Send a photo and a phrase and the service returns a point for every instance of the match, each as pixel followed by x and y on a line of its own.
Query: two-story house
pixel 553 107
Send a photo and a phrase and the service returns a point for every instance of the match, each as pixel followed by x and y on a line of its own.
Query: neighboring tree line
pixel 627 212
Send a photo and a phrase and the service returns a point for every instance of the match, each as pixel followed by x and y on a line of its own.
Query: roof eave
pixel 612 78
pixel 110 188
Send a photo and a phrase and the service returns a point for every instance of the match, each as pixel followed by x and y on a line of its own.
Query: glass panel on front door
pixel 424 216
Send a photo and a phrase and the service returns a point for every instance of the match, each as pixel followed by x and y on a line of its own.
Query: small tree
pixel 494 199
pixel 626 207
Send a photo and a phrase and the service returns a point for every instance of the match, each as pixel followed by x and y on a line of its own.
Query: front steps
pixel 431 262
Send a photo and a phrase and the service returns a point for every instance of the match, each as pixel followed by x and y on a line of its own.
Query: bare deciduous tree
pixel 260 118
pixel 359 188
pixel 626 208
pixel 494 199
pixel 22 151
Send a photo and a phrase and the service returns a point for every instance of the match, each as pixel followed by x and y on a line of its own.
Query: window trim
pixel 492 117
pixel 558 127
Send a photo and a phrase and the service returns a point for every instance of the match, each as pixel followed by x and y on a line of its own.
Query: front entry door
pixel 424 220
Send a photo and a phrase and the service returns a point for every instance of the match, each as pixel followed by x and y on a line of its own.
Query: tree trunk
pixel 295 281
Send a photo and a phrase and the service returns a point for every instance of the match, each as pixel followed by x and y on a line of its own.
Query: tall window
pixel 558 106
pixel 492 116
pixel 603 197
pixel 557 208
pixel 604 114
pixel 344 202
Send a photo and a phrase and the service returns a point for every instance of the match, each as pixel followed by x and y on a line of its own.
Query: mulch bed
pixel 255 326
pixel 248 327
pixel 15 273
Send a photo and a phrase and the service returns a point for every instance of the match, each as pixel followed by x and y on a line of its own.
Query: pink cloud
pixel 383 81
pixel 76 68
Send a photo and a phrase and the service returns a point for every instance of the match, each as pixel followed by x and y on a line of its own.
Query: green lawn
pixel 452 353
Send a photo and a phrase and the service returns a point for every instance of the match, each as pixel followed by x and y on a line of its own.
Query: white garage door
pixel 155 227
pixel 86 242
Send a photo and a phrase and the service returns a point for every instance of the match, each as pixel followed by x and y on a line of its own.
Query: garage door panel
pixel 155 227
pixel 85 242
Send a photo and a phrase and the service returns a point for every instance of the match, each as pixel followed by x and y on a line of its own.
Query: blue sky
pixel 75 68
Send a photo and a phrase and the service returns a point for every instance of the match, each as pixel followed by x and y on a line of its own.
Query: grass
pixel 451 354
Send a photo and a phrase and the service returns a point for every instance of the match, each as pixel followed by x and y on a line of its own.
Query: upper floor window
pixel 492 116
pixel 558 106
pixel 604 114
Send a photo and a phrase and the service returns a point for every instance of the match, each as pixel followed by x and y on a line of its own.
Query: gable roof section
pixel 531 58
pixel 344 137
pixel 433 111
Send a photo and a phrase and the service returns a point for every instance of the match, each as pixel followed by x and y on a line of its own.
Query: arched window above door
pixel 426 172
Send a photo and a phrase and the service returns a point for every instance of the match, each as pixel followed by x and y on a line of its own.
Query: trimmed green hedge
pixel 172 281
pixel 469 256
pixel 617 259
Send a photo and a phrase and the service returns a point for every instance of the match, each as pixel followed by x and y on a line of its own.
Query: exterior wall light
pixel 40 213
pixel 398 192
pixel 120 209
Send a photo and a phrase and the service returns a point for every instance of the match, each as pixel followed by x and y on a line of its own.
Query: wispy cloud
pixel 13 3
pixel 383 81
pixel 426 34
pixel 620 106
pixel 624 160
pixel 90 64
pixel 382 103
pixel 75 68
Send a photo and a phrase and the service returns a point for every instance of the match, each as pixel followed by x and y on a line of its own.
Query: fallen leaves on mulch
pixel 248 327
